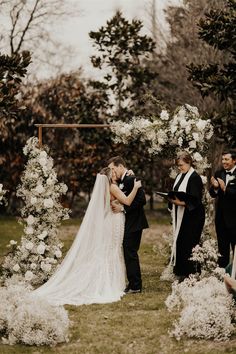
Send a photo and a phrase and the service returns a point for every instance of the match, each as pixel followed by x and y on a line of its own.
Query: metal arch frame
pixel 41 126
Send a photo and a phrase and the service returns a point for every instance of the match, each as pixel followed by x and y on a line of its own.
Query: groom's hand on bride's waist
pixel 117 207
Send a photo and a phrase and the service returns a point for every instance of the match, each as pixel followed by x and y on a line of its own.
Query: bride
pixel 93 270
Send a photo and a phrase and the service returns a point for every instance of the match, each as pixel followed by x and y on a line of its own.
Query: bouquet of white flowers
pixel 182 130
pixel 39 251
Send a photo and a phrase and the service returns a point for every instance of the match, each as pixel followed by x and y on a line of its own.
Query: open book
pixel 175 194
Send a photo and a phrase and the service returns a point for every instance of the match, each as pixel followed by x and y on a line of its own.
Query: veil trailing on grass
pixel 83 276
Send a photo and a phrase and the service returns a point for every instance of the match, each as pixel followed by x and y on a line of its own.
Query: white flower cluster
pixel 206 309
pixel 2 194
pixel 184 130
pixel 39 252
pixel 207 256
pixel 31 321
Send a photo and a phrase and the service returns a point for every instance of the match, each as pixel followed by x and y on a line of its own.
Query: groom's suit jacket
pixel 135 218
pixel 226 201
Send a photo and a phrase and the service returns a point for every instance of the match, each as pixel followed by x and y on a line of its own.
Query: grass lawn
pixel 138 324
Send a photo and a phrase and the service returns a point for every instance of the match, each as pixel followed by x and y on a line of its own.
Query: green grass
pixel 138 324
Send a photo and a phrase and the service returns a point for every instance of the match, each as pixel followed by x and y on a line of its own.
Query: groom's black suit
pixel 135 222
pixel 225 218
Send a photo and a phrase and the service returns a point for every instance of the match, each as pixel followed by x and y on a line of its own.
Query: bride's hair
pixel 107 172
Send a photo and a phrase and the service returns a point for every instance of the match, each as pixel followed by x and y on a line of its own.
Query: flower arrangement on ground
pixel 28 320
pixel 206 309
pixel 39 252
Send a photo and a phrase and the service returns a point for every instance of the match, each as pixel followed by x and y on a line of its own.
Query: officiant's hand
pixel 178 202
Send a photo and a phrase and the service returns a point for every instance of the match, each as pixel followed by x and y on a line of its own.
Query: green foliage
pixel 124 55
pixel 122 50
pixel 172 85
pixel 218 29
pixel 12 121
pixel 12 70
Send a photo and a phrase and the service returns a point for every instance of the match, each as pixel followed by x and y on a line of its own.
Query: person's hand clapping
pixel 214 182
pixel 221 184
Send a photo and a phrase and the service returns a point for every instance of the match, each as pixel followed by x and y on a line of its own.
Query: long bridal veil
pixel 82 277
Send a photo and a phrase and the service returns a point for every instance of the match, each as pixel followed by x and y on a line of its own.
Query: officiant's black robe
pixel 191 227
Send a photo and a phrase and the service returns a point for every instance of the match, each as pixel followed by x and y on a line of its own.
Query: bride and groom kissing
pixel 105 249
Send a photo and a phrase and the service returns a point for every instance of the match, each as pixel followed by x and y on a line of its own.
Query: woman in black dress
pixel 188 216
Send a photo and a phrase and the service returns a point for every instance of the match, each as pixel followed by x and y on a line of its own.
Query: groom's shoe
pixel 132 291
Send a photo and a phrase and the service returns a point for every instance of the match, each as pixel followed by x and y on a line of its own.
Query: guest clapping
pixel 223 188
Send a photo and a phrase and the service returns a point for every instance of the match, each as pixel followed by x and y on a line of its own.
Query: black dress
pixel 191 226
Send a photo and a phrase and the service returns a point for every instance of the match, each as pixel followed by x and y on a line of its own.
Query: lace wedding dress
pixel 93 270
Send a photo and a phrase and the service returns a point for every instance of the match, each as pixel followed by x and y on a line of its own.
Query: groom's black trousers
pixel 131 245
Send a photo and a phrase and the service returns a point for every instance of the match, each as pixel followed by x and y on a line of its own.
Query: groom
pixel 135 222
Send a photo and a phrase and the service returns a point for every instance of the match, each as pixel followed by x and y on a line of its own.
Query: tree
pixel 29 25
pixel 123 55
pixel 122 50
pixel 218 79
pixel 172 85
pixel 12 70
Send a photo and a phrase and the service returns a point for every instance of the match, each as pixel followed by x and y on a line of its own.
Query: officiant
pixel 188 216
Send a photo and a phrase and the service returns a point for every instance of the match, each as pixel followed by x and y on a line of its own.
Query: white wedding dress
pixel 93 270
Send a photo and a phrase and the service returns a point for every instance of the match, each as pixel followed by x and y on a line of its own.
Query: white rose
pixel 43 155
pixel 30 220
pixel 1 187
pixel 197 156
pixel 58 254
pixel 16 268
pixel 196 136
pixel 192 144
pixel 39 189
pixel 13 242
pixel 33 200
pixel 188 129
pixel 183 123
pixel 164 115
pixel 43 162
pixel 41 248
pixel 29 230
pixel 29 275
pixel 29 245
pixel 201 124
pixel 46 267
pixel 43 235
pixel 173 128
pixel 48 203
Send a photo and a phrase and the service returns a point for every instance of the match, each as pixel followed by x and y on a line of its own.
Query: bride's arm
pixel 121 197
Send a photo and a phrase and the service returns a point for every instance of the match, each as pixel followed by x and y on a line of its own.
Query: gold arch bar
pixel 41 126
